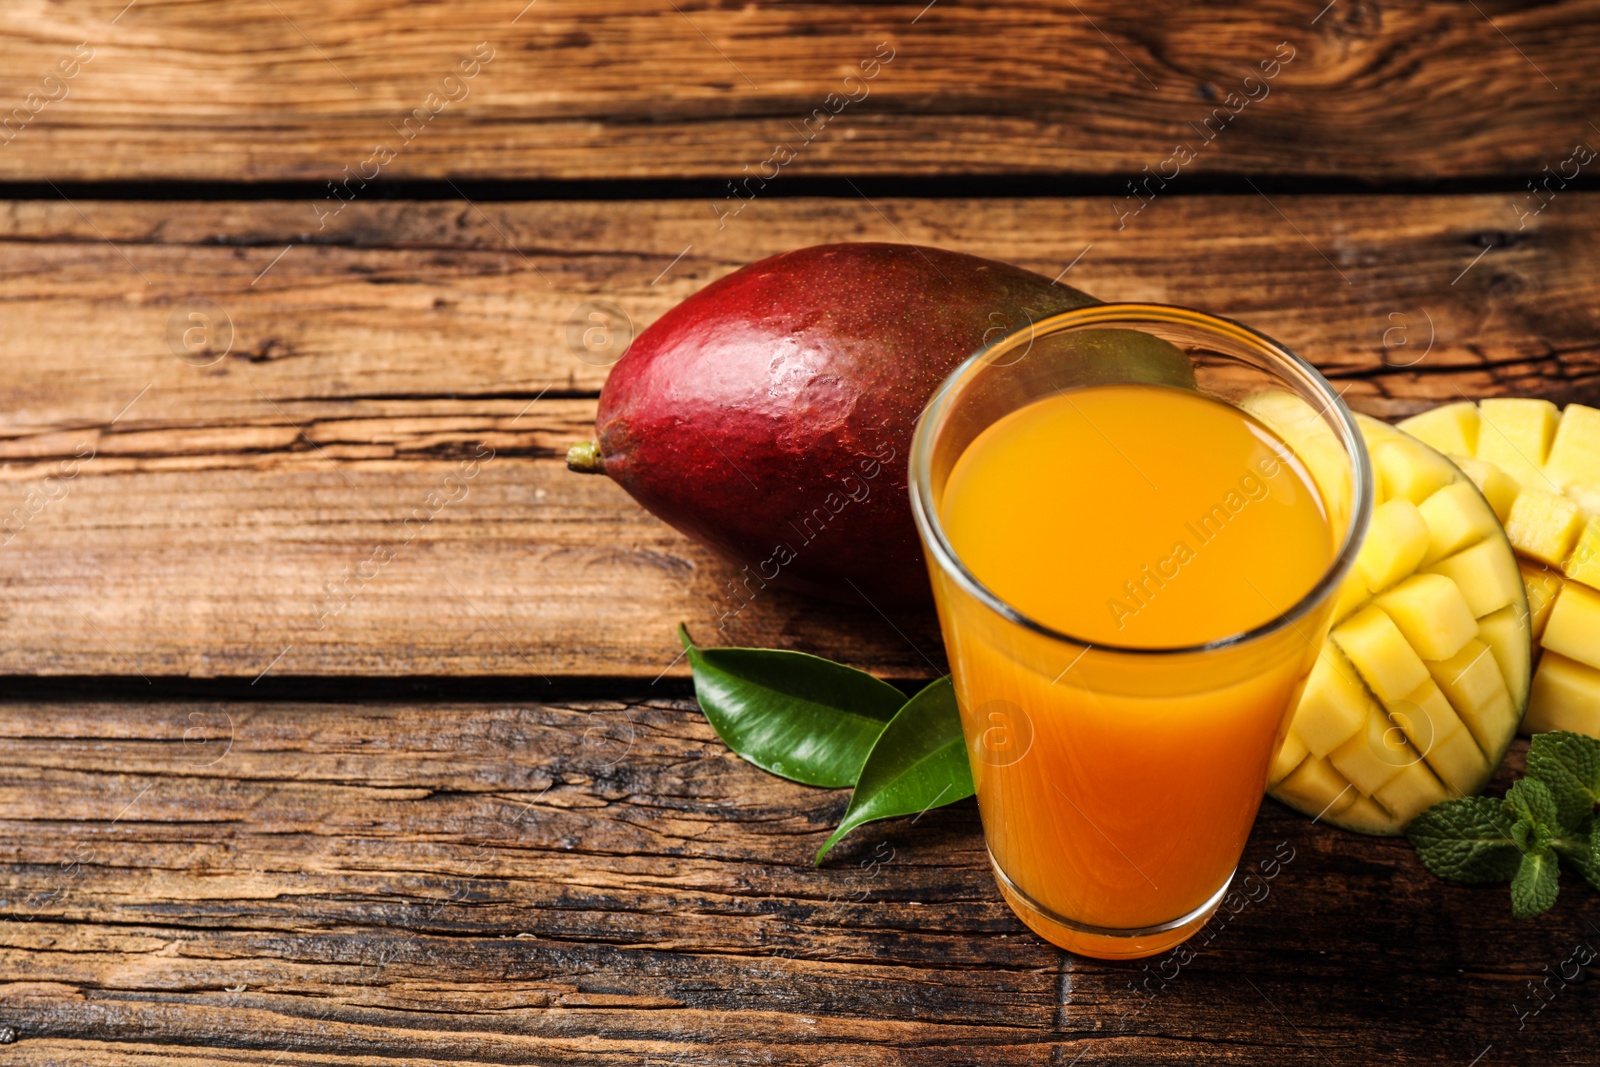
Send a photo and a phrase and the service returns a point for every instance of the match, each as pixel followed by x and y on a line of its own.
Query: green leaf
pixel 919 762
pixel 1581 851
pixel 1533 890
pixel 1530 802
pixel 1466 840
pixel 1569 766
pixel 800 716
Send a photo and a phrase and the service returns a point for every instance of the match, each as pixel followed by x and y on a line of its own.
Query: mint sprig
pixel 1546 819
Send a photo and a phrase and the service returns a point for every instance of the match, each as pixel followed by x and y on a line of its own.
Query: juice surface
pixel 1118 790
pixel 1143 516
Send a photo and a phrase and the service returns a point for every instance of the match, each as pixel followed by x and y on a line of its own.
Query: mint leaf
pixel 1466 840
pixel 1581 851
pixel 1569 766
pixel 1533 890
pixel 919 762
pixel 1529 801
pixel 1546 819
pixel 800 716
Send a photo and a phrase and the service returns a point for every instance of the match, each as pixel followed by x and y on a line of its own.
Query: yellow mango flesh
pixel 1389 666
pixel 1544 526
pixel 1419 689
pixel 1411 792
pixel 1575 452
pixel 1497 487
pixel 1539 467
pixel 1431 613
pixel 1335 702
pixel 1565 696
pixel 1487 579
pixel 1451 429
pixel 1574 627
pixel 1516 435
pixel 1396 543
pixel 1456 519
pixel 1476 689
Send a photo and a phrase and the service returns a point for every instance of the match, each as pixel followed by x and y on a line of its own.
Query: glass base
pixel 1101 942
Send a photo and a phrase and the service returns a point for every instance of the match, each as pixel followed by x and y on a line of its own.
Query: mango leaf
pixel 919 762
pixel 799 716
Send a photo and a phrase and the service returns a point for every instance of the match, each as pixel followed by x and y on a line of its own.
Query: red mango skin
pixel 770 415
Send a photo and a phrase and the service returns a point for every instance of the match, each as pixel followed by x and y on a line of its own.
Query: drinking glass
pixel 1118 785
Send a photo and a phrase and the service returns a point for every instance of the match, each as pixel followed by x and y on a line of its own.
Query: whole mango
pixel 770 414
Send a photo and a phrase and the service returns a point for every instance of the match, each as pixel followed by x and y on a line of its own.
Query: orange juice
pixel 1119 790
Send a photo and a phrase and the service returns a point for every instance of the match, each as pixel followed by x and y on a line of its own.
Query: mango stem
pixel 585 458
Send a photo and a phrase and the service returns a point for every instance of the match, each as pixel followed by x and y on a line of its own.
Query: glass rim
pixel 940 549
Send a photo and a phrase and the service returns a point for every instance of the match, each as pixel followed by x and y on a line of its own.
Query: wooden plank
pixel 602 882
pixel 578 89
pixel 221 499
pixel 1409 298
pixel 470 550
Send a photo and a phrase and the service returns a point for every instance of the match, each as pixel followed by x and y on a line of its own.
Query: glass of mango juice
pixel 1136 518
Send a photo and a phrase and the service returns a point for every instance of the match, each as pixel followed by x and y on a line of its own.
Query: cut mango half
pixel 1539 468
pixel 1418 690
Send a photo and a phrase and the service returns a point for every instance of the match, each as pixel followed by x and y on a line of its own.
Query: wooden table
pixel 474 816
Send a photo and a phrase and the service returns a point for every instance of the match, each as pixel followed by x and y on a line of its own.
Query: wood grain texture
pixel 293 89
pixel 220 500
pixel 603 882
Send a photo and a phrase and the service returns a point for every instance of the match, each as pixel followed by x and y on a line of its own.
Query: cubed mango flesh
pixel 1380 653
pixel 1410 702
pixel 1575 452
pixel 1374 755
pixel 1586 495
pixel 1409 470
pixel 1542 584
pixel 1565 696
pixel 1290 755
pixel 1411 792
pixel 1486 574
pixel 1333 705
pixel 1506 633
pixel 1432 614
pixel 1452 428
pixel 1364 816
pixel 1317 788
pixel 1498 487
pixel 1457 758
pixel 1515 435
pixel 1424 716
pixel 1583 565
pixel 1574 627
pixel 1544 526
pixel 1472 681
pixel 1397 539
pixel 1457 517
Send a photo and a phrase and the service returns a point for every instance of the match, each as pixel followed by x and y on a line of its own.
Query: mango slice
pixel 1539 468
pixel 1419 689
